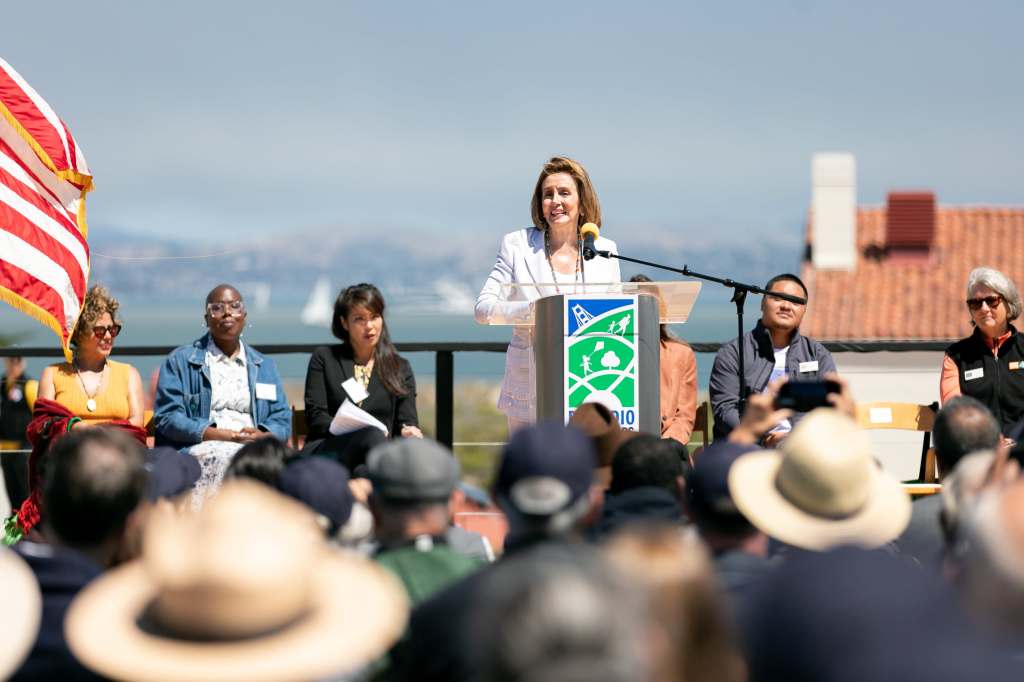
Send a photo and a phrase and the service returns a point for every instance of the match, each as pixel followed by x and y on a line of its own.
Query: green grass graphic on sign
pixel 601 360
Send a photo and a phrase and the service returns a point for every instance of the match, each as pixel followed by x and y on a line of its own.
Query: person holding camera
pixel 772 350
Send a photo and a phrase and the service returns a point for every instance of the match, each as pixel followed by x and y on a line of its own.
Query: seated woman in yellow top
pixel 94 387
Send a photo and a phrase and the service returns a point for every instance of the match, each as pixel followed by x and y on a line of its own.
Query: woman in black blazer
pixel 365 369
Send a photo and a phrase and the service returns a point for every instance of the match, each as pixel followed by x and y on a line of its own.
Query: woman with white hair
pixel 989 364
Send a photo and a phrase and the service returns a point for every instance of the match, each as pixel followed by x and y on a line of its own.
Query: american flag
pixel 44 256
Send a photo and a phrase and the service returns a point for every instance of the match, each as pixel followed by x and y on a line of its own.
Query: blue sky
pixel 219 120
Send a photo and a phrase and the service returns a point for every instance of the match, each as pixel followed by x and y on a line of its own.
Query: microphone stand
pixel 739 297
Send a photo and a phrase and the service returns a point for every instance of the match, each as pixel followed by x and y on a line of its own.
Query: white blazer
pixel 521 260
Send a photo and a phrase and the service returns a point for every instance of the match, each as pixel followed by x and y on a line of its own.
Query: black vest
pixel 998 382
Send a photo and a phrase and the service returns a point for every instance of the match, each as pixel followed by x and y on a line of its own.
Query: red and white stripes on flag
pixel 44 256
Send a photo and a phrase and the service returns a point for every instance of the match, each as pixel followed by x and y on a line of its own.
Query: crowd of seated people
pixel 780 554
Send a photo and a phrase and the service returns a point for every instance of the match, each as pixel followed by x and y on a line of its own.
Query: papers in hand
pixel 350 417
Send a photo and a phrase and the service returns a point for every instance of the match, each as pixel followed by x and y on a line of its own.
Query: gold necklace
pixel 90 403
pixel 554 275
pixel 363 373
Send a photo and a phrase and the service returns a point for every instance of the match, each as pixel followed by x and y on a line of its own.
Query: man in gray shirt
pixel 773 349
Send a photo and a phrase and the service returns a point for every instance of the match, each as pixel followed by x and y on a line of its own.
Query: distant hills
pixel 413 269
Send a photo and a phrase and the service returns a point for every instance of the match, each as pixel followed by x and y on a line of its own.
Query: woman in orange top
pixel 94 387
pixel 678 384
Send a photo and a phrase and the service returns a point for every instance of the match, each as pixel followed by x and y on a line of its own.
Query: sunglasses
pixel 233 308
pixel 99 331
pixel 992 302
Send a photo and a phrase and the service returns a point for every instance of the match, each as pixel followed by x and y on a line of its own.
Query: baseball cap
pixel 708 501
pixel 412 469
pixel 169 473
pixel 322 485
pixel 545 468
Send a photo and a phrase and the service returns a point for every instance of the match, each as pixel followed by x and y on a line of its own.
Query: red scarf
pixel 49 424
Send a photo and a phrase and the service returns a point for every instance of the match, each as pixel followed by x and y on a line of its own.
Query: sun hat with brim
pixel 821 489
pixel 19 618
pixel 246 590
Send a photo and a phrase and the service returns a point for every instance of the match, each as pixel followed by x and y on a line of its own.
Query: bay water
pixel 172 323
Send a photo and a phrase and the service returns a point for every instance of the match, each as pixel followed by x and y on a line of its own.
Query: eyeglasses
pixel 113 329
pixel 992 302
pixel 233 308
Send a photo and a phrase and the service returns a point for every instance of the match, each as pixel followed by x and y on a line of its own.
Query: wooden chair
pixel 299 430
pixel 701 425
pixel 904 417
pixel 922 489
pixel 31 392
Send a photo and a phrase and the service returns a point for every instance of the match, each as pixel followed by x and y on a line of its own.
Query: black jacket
pixel 646 504
pixel 329 368
pixel 998 382
pixel 61 573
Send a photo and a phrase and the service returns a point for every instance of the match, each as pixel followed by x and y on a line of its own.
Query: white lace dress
pixel 518 397
pixel 229 409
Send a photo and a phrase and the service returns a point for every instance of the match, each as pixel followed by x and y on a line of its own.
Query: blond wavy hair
pixel 590 207
pixel 97 301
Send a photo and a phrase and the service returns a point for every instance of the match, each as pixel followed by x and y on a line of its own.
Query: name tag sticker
pixel 972 374
pixel 355 390
pixel 266 391
pixel 1014 365
pixel 880 415
pixel 811 366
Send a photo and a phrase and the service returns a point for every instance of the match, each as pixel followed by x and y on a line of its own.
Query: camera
pixel 804 396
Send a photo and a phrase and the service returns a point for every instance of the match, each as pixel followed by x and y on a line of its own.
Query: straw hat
pixel 823 488
pixel 19 618
pixel 246 589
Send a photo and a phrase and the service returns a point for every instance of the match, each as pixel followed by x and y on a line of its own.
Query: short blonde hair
pixel 590 207
pixel 999 283
pixel 97 301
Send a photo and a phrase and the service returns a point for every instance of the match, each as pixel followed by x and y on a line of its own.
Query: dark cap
pixel 169 473
pixel 545 468
pixel 322 485
pixel 708 501
pixel 412 470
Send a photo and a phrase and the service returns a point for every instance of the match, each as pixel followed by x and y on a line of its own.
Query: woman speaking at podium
pixel 548 255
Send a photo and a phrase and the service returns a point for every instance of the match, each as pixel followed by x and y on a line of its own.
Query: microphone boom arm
pixel 685 271
pixel 739 297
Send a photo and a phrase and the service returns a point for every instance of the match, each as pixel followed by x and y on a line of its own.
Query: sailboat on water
pixel 319 308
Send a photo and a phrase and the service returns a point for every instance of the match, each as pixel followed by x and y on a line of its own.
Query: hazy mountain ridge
pixel 400 262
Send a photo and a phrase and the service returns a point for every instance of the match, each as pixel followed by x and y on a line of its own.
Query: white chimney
pixel 834 211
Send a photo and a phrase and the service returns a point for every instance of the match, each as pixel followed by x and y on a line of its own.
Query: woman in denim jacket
pixel 216 394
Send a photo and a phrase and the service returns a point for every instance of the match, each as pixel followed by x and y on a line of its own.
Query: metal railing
pixel 444 362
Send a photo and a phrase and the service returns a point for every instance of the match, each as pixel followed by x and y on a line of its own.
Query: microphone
pixel 589 232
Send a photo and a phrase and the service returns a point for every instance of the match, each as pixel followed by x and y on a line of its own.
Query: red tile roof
pixel 913 295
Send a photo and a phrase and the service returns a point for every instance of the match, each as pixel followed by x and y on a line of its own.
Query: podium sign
pixel 599 343
pixel 600 355
pixel 598 348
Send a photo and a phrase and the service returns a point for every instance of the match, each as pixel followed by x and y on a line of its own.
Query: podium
pixel 599 343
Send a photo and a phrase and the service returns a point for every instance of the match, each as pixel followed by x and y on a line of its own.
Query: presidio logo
pixel 600 355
